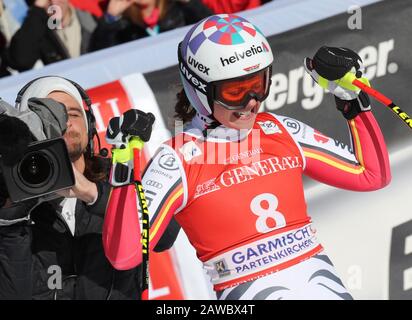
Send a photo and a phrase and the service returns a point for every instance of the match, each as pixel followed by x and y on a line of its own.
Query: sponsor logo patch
pixel 206 187
pixel 154 184
pixel 190 150
pixel 319 137
pixel 168 162
pixel 252 68
pixel 221 268
pixel 293 125
pixel 269 127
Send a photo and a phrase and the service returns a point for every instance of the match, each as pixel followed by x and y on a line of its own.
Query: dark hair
pixel 30 2
pixel 183 110
pixel 97 168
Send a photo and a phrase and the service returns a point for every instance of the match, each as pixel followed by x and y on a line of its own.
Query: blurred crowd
pixel 34 33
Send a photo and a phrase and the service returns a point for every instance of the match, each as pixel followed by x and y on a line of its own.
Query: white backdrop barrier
pixel 368 235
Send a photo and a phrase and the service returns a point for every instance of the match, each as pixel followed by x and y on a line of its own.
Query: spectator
pixel 48 39
pixel 8 26
pixel 127 20
pixel 231 6
pixel 65 232
pixel 92 6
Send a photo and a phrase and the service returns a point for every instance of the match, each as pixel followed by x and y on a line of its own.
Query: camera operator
pixel 53 249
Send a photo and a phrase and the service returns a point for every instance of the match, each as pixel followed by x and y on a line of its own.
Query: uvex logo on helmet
pixel 253 50
pixel 191 77
pixel 202 68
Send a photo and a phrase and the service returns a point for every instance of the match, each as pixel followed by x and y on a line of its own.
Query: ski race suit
pixel 241 203
pixel 239 197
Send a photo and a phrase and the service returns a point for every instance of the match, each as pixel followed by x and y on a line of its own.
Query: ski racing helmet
pixel 224 58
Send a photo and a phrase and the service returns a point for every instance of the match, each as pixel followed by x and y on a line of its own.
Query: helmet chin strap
pixel 205 123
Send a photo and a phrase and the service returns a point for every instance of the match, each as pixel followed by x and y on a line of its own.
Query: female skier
pixel 232 178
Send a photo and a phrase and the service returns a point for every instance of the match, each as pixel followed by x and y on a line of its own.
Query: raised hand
pixel 117 7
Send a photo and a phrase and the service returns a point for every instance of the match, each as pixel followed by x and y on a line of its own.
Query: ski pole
pixel 137 144
pixel 350 80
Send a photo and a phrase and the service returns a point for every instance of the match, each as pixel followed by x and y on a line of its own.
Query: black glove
pixel 15 137
pixel 133 123
pixel 137 123
pixel 332 64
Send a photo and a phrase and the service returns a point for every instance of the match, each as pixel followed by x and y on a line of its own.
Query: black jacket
pixel 3 65
pixel 34 40
pixel 30 252
pixel 178 15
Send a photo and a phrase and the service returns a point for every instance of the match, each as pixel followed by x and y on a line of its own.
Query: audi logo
pixel 154 184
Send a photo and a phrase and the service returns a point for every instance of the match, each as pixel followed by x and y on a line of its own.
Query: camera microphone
pixel 103 152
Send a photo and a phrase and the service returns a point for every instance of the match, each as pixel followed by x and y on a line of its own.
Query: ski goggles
pixel 235 94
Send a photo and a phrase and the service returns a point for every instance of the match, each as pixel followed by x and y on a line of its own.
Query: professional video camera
pixel 45 166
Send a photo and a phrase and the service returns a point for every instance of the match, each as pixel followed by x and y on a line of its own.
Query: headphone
pixel 90 119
